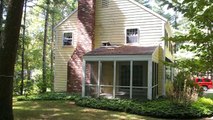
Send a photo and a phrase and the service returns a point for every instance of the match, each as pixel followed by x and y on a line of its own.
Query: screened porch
pixel 120 79
pixel 120 76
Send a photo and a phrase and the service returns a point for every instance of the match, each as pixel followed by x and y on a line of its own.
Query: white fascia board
pixel 168 29
pixel 65 18
pixel 118 58
pixel 148 10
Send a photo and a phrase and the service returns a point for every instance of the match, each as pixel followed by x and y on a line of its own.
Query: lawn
pixel 56 106
pixel 66 110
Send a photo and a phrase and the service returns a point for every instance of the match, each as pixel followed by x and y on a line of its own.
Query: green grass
pixel 66 110
pixel 209 95
pixel 59 106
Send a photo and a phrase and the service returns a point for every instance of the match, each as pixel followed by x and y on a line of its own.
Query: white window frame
pixel 63 38
pixel 138 41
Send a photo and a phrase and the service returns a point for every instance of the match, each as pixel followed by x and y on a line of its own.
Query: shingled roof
pixel 122 50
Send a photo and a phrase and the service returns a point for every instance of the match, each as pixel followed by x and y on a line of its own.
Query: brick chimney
pixel 85 43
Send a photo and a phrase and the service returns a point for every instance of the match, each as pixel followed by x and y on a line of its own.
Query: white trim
pixel 118 58
pixel 155 86
pixel 106 85
pixel 95 85
pixel 125 35
pixel 149 10
pixel 168 29
pixel 84 78
pixel 149 91
pixel 99 77
pixel 56 40
pixel 65 46
pixel 63 20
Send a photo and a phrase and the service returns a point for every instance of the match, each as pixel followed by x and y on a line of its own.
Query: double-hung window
pixel 67 38
pixel 132 35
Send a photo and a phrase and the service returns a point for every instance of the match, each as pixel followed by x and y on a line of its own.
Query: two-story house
pixel 112 48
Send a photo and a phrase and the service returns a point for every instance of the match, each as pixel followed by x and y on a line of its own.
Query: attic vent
pixel 105 3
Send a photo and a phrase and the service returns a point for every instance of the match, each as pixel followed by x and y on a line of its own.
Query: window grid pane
pixel 67 39
pixel 132 35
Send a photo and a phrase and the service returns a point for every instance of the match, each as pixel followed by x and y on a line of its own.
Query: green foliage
pixel 200 32
pixel 28 87
pixel 107 104
pixel 183 90
pixel 159 108
pixel 49 96
pixel 158 8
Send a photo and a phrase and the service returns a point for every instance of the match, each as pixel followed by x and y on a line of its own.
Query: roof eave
pixel 65 18
pixel 148 10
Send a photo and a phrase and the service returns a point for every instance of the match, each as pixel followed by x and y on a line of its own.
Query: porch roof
pixel 122 50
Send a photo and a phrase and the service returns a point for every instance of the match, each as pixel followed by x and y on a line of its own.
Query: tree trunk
pixel 23 49
pixel 44 85
pixel 8 56
pixel 52 54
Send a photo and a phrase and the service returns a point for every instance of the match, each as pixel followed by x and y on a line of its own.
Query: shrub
pixel 27 87
pixel 182 90
pixel 49 96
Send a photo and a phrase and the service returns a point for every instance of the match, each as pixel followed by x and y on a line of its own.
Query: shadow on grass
pixel 65 110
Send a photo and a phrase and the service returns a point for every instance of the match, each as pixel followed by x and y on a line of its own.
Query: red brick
pixel 85 43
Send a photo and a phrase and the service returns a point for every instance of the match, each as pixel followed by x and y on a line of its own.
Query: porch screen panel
pixel 91 87
pixel 123 79
pixel 139 88
pixel 106 82
pixel 154 79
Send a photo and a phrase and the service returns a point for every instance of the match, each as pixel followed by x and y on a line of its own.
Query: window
pixel 132 35
pixel 67 39
pixel 105 3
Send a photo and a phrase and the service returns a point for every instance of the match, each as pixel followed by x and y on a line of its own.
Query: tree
pixel 200 34
pixel 158 7
pixel 8 56
pixel 44 86
pixel 23 49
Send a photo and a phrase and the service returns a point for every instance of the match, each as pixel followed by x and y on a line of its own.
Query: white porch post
pixel 114 79
pixel 149 92
pixel 131 75
pixel 84 78
pixel 99 76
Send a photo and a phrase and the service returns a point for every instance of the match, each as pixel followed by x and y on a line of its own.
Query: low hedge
pixel 162 108
pixel 50 96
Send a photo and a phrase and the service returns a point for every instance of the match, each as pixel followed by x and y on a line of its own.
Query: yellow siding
pixel 160 71
pixel 63 53
pixel 107 76
pixel 111 23
pixel 168 54
pixel 155 55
